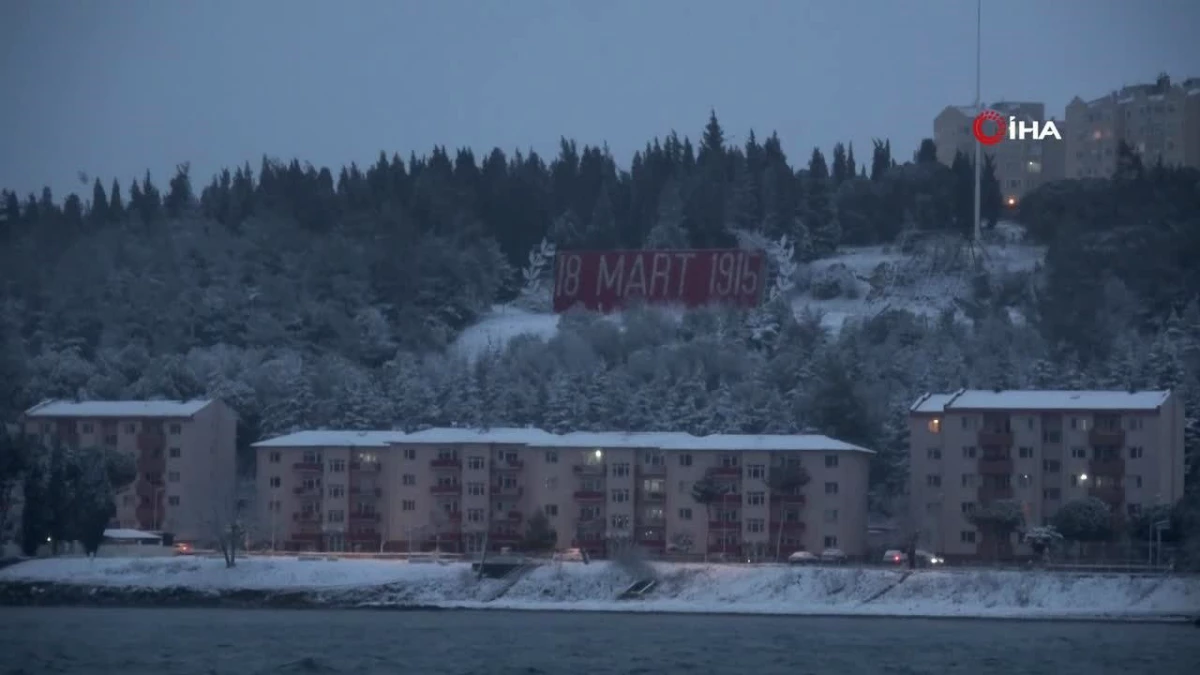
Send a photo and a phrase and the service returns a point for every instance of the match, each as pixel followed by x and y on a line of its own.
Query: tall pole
pixel 978 109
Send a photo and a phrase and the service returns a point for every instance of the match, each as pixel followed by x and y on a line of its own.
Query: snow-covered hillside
pixel 858 282
pixel 700 588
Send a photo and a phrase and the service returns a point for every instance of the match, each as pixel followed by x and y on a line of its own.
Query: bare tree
pixel 785 480
pixel 227 519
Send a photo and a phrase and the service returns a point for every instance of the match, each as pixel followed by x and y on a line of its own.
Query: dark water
pixel 249 642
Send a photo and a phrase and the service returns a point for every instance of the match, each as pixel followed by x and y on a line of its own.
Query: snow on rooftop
pixel 329 438
pixel 117 408
pixel 982 399
pixel 663 440
pixel 127 534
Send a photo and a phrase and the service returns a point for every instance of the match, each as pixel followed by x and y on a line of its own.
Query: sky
pixel 114 88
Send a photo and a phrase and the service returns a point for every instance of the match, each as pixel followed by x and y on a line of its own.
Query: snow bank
pixel 504 323
pixel 697 588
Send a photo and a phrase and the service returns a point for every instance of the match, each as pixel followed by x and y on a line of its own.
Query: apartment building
pixel 1042 448
pixel 1160 121
pixel 185 453
pixel 1021 165
pixel 459 488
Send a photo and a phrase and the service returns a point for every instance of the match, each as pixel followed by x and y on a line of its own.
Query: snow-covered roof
pixel 117 408
pixel 662 440
pixel 983 399
pixel 121 533
pixel 330 438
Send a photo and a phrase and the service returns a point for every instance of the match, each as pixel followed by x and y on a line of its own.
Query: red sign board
pixel 604 281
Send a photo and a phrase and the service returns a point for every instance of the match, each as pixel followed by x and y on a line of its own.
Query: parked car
pixel 183 548
pixel 803 558
pixel 895 557
pixel 924 558
pixel 833 555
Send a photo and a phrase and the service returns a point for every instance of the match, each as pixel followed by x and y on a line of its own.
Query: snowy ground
pixel 697 588
pixel 917 286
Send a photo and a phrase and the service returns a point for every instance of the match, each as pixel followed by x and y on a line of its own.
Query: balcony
pixel 510 492
pixel 654 496
pixel 784 498
pixel 730 498
pixel 308 466
pixel 650 522
pixel 589 469
pixel 366 467
pixel 364 517
pixel 589 495
pixel 1110 494
pixel 149 490
pixel 151 464
pixel 1107 437
pixel 995 438
pixel 149 441
pixel 1107 467
pixel 793 526
pixel 446 489
pixel 510 465
pixel 306 491
pixel 725 472
pixel 311 517
pixel 445 463
pixel 990 493
pixel 366 492
pixel 724 525
pixel 515 516
pixel 995 465
pixel 652 469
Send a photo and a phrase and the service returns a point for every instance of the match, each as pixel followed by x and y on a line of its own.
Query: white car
pixel 803 558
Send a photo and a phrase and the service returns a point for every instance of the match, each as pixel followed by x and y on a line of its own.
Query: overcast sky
pixel 113 88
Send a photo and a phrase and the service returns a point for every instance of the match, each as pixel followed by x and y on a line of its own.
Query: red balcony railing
pixel 787 525
pixel 446 489
pixel 1107 437
pixel 990 493
pixel 589 495
pixel 366 492
pixel 498 491
pixel 366 467
pixel 516 516
pixel 724 525
pixel 510 465
pixel 446 463
pixel 306 517
pixel 307 466
pixel 307 491
pixel 589 469
pixel 652 469
pixel 364 517
pixel 995 465
pixel 731 497
pixel 1107 467
pixel 789 499
pixel 725 471
pixel 995 438
pixel 654 496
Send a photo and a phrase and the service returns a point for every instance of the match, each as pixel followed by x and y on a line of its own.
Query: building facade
pixel 185 453
pixel 464 489
pixel 1021 165
pixel 1043 449
pixel 1159 121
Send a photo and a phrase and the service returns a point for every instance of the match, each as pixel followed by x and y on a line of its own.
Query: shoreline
pixel 54 594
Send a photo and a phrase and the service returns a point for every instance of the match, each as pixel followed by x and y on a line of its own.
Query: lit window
pixel 935 425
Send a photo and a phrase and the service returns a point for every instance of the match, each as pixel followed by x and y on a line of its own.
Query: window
pixel 172 476
pixel 831 515
pixel 1076 479
pixel 551 482
pixel 933 480
pixel 756 525
pixel 620 521
pixel 410 453
pixel 830 541
pixel 335 516
pixel 967 508
pixel 969 452
pixel 970 480
pixel 831 488
pixel 1051 465
pixel 173 500
pixel 1024 480
pixel 1136 480
pixel 408 479
pixel 1052 436
pixel 685 460
pixel 966 422
pixel 552 457
pixel 1030 422
pixel 86 427
pixel 831 461
pixel 685 514
pixel 175 453
pixel 729 461
pixel 756 498
pixel 1078 453
pixel 337 465
pixel 111 439
pixel 933 453
pixel 621 495
pixel 274 457
pixel 175 429
pixel 1025 453
pixel 1080 423
pixel 475 489
pixel 1135 423
pixel 967 536
pixel 337 490
pixel 653 459
pixel 756 471
pixel 475 463
pixel 1136 452
pixel 550 510
pixel 934 426
pixel 130 428
pixel 474 515
pixel 274 481
pixel 408 505
pixel 620 469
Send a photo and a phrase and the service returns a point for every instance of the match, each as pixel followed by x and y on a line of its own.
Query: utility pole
pixel 978 110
